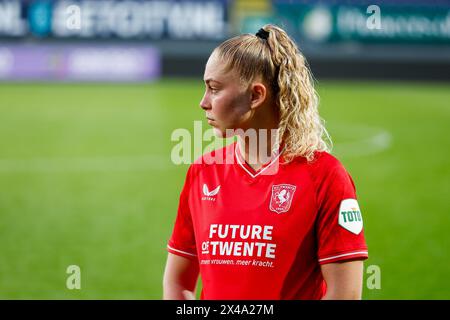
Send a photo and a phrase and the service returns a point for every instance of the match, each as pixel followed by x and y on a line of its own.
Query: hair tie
pixel 263 34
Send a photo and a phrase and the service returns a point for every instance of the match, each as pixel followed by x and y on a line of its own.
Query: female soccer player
pixel 286 228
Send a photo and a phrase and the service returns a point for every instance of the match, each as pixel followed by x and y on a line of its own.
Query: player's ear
pixel 258 94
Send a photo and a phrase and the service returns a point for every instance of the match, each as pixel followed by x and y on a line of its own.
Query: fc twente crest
pixel 281 198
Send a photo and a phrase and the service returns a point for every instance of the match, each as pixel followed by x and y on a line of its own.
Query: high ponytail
pixel 277 59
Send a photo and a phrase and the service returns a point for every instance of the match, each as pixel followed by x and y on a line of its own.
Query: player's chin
pixel 221 131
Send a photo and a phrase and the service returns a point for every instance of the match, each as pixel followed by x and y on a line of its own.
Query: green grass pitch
pixel 86 179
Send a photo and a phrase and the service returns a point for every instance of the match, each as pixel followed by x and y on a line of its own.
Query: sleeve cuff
pixel 346 256
pixel 181 253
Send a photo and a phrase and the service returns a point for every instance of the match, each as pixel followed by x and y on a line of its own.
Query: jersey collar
pixel 250 171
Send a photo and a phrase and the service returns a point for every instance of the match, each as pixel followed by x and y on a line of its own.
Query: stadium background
pixel 88 107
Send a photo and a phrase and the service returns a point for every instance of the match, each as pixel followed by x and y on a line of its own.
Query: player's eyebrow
pixel 207 81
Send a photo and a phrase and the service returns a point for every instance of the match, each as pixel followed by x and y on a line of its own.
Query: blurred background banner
pixel 361 38
pixel 89 62
pixel 365 21
pixel 342 39
pixel 106 19
pixel 92 91
pixel 62 37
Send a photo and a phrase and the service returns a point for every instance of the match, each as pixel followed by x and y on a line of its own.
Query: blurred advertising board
pixel 418 22
pixel 64 62
pixel 115 19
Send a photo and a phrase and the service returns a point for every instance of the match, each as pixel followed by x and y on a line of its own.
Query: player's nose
pixel 204 103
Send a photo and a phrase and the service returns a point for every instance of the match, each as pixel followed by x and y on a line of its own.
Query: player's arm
pixel 180 278
pixel 344 280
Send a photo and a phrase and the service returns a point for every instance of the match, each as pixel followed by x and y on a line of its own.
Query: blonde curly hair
pixel 301 131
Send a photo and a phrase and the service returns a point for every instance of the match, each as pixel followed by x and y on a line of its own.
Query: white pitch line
pixel 373 140
pixel 370 145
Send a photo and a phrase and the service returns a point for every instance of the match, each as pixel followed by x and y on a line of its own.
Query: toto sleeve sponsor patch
pixel 350 217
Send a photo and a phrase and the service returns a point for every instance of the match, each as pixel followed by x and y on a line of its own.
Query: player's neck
pixel 257 144
pixel 259 148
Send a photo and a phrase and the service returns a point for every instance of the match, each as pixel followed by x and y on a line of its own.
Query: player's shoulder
pixel 328 173
pixel 325 164
pixel 325 159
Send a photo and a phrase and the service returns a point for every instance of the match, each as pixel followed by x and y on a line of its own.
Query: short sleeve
pixel 182 241
pixel 339 225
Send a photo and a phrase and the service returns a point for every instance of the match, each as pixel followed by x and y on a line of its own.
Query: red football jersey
pixel 264 234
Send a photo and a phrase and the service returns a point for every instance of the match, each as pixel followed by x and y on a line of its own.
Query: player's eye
pixel 213 90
